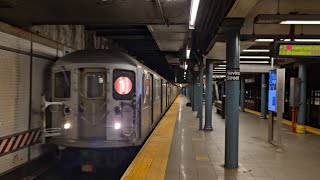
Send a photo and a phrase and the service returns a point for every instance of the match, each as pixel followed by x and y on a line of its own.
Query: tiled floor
pixel 198 154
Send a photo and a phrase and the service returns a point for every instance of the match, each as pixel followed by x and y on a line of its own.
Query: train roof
pixel 97 56
pixel 100 56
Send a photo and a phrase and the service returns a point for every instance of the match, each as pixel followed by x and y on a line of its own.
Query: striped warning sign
pixel 19 141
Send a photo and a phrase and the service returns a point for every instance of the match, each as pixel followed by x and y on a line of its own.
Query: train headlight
pixel 117 126
pixel 67 126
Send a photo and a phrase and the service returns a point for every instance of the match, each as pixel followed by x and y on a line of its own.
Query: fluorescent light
pixel 193 13
pixel 307 40
pixel 254 57
pixel 299 22
pixel 256 50
pixel 254 62
pixel 188 53
pixel 222 65
pixel 219 76
pixel 285 39
pixel 220 68
pixel 264 40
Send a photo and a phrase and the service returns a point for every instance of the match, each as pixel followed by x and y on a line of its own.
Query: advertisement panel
pixel 272 99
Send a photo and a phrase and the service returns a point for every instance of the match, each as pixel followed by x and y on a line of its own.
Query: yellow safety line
pixel 287 122
pixel 151 161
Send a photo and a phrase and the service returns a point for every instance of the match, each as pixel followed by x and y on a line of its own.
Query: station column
pixel 263 96
pixel 232 34
pixel 209 93
pixel 200 89
pixel 194 92
pixel 302 112
pixel 242 93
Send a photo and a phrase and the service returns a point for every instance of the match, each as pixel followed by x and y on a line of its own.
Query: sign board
pixel 297 50
pixel 233 74
pixel 276 104
pixel 272 99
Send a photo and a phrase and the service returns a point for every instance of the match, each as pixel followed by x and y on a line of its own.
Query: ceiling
pixel 153 31
pixel 21 12
pixel 249 9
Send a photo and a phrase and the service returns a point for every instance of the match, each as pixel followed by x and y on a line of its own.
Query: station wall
pixel 25 60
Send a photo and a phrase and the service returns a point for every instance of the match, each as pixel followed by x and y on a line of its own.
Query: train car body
pixel 110 100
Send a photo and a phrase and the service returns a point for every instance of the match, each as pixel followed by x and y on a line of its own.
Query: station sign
pixel 297 50
pixel 233 74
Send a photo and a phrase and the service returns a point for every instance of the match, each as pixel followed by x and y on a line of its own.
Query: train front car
pixel 98 91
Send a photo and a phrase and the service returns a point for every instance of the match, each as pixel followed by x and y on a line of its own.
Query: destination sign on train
pixel 300 50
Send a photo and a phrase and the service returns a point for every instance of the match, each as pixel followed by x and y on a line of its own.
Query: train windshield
pixel 95 85
pixel 62 84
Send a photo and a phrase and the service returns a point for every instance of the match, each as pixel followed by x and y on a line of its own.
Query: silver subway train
pixel 108 100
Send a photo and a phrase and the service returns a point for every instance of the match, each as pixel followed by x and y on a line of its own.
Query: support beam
pixel 242 94
pixel 302 111
pixel 200 95
pixel 232 33
pixel 263 96
pixel 209 93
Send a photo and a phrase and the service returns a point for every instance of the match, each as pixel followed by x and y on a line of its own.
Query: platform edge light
pixel 193 13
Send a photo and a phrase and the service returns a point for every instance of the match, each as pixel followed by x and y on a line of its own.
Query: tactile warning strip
pixel 151 161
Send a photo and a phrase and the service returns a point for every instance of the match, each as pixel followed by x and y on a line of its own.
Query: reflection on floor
pixel 198 154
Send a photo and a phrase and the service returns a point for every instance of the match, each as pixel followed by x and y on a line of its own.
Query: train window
pixel 62 84
pixel 95 85
pixel 123 84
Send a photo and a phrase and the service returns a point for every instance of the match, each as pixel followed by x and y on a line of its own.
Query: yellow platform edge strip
pixel 285 121
pixel 151 161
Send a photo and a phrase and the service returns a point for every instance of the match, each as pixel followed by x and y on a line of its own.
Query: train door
pixel 146 102
pixel 161 95
pixel 164 96
pixel 152 99
pixel 92 104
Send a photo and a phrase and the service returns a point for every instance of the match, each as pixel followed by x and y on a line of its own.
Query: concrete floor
pixel 198 154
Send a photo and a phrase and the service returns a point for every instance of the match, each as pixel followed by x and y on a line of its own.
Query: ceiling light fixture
pixel 300 22
pixel 188 54
pixel 254 57
pixel 264 40
pixel 256 50
pixel 219 68
pixel 254 62
pixel 307 40
pixel 193 13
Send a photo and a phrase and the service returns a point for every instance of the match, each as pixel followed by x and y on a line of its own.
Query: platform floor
pixel 198 154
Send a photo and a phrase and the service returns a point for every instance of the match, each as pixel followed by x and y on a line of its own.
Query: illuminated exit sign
pixel 297 50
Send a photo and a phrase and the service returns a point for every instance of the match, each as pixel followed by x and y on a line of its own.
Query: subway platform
pixel 178 150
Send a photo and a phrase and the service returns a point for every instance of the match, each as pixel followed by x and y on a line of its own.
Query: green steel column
pixel 191 91
pixel 223 100
pixel 263 96
pixel 242 94
pixel 194 93
pixel 302 111
pixel 209 93
pixel 232 35
pixel 200 95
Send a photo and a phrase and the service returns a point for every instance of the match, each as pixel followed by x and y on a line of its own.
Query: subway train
pixel 109 101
